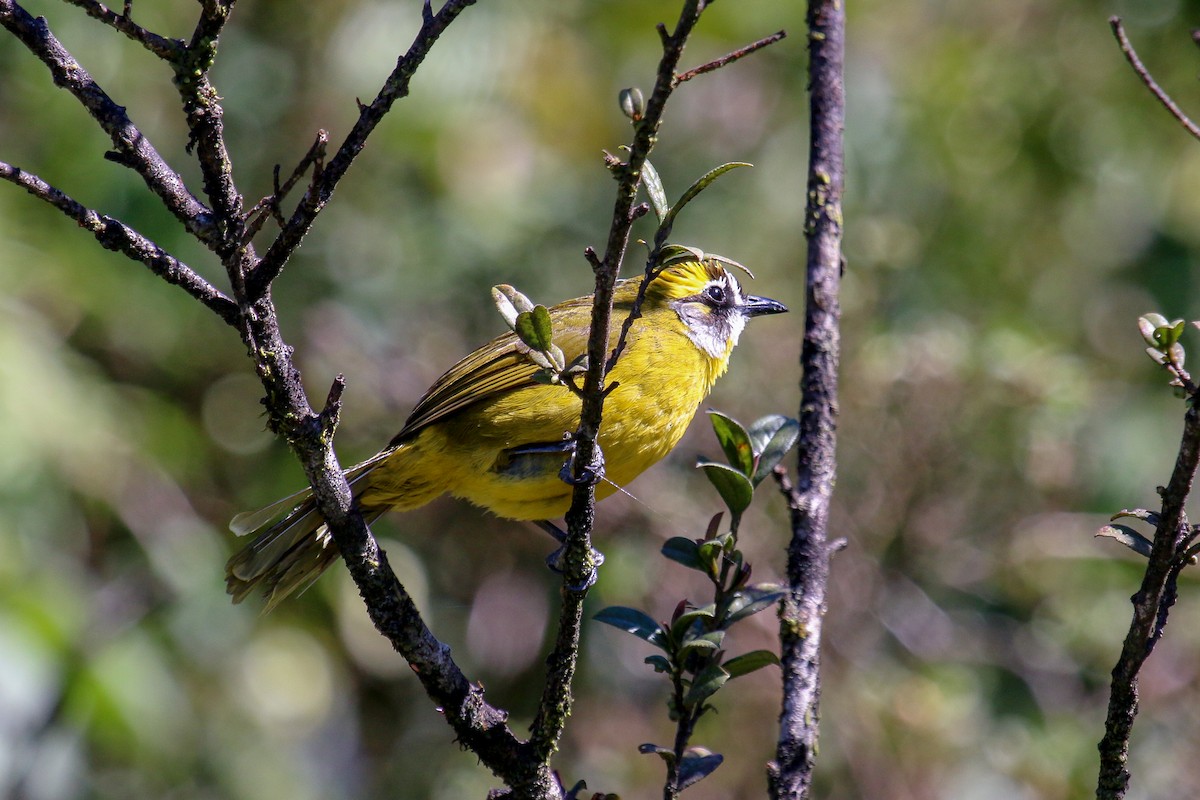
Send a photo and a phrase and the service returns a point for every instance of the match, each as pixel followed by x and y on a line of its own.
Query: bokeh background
pixel 1015 200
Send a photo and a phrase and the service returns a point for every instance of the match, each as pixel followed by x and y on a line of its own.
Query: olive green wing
pixel 498 367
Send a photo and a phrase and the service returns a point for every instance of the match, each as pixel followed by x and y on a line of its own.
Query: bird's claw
pixel 589 474
pixel 556 561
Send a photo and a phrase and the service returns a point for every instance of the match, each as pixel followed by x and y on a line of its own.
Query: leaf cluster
pixel 692 642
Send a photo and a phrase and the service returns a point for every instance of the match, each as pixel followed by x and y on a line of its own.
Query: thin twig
pixel 729 58
pixel 1148 79
pixel 321 189
pixel 163 47
pixel 116 235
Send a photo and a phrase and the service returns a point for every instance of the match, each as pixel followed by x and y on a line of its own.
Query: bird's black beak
pixel 758 306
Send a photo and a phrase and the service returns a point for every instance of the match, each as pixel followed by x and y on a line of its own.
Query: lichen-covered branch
pixel 132 148
pixel 579 564
pixel 116 235
pixel 803 608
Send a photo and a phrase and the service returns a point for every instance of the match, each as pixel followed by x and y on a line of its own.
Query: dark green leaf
pixel 697 765
pixel 710 679
pixel 660 663
pixel 733 486
pixel 630 620
pixel 654 189
pixel 665 753
pixel 749 662
pixel 685 551
pixel 751 600
pixel 734 440
pixel 782 438
pixel 685 620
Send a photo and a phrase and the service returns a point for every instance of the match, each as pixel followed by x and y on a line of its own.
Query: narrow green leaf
pixel 749 662
pixel 630 620
pixel 700 185
pixel 734 440
pixel 706 684
pixel 654 190
pixel 733 485
pixel 674 253
pixel 697 765
pixel 684 551
pixel 783 440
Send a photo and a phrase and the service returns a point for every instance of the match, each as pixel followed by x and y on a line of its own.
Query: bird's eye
pixel 715 293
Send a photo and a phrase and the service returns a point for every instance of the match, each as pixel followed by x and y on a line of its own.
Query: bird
pixel 488 431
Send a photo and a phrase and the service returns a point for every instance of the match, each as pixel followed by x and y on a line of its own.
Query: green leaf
pixel 749 601
pixel 684 551
pixel 710 553
pixel 705 641
pixel 686 619
pixel 665 753
pixel 696 188
pixel 654 190
pixel 734 440
pixel 660 663
pixel 733 485
pixel 710 679
pixel 676 253
pixel 784 432
pixel 749 662
pixel 697 765
pixel 630 620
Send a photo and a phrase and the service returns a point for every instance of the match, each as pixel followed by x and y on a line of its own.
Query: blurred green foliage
pixel 1016 199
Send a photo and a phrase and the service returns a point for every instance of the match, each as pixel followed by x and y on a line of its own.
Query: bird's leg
pixel 555 560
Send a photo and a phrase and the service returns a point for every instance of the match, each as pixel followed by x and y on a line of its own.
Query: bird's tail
pixel 291 548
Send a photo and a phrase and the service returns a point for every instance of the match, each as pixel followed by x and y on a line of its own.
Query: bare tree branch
pixel 803 609
pixel 132 148
pixel 116 235
pixel 322 187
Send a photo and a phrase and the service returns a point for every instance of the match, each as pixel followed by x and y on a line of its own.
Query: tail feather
pixel 292 546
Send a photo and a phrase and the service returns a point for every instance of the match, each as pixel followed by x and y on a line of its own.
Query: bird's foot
pixel 556 561
pixel 590 474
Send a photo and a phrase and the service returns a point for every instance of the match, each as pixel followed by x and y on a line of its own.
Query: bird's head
pixel 710 303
